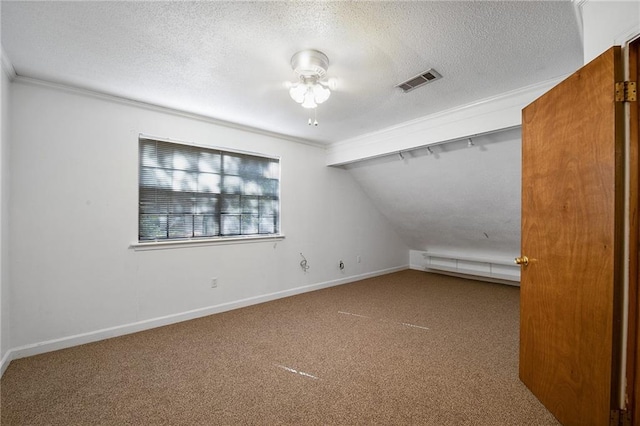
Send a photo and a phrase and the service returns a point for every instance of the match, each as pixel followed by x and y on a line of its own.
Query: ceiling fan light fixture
pixel 310 66
pixel 321 93
pixel 297 92
pixel 309 100
pixel 310 62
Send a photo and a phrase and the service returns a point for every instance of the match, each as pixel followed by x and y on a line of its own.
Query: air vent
pixel 419 80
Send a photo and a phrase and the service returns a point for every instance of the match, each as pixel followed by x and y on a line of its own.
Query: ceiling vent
pixel 419 80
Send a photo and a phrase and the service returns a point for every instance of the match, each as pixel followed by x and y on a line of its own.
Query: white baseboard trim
pixel 4 363
pixel 106 333
pixel 466 276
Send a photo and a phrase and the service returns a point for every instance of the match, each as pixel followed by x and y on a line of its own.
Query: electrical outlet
pixel 341 265
pixel 358 259
pixel 214 282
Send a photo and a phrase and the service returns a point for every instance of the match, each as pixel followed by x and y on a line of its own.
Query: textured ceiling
pixel 229 60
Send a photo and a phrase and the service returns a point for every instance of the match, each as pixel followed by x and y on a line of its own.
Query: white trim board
pixel 501 260
pixel 121 330
pixel 498 267
pixel 466 276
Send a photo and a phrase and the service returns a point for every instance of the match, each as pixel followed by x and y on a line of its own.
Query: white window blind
pixel 188 192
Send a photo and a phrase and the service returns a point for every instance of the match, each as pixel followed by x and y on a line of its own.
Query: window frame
pixel 159 243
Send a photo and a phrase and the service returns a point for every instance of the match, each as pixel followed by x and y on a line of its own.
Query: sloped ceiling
pixel 460 199
pixel 229 60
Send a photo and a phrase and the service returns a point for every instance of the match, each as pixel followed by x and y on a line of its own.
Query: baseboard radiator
pixel 492 268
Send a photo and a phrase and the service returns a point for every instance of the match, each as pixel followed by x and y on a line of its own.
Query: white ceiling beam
pixel 481 117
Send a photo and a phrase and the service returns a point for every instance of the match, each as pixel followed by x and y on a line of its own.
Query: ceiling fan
pixel 311 89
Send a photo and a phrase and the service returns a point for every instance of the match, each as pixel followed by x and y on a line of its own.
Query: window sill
pixel 163 245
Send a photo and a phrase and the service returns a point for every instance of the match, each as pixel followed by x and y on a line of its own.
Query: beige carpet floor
pixel 408 348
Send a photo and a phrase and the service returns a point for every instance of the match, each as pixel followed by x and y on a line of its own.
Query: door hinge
pixel 620 418
pixel 626 91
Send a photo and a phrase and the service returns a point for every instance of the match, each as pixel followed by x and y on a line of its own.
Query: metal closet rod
pixel 431 145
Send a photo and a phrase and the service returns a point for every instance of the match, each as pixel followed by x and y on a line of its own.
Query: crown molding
pixel 154 107
pixel 579 3
pixel 577 13
pixel 7 66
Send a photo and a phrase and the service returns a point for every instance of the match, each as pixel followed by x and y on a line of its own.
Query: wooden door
pixel 572 233
pixel 633 339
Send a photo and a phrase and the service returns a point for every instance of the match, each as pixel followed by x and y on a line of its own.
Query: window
pixel 188 192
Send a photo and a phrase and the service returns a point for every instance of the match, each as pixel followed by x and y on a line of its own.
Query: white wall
pixel 607 23
pixel 74 213
pixel 461 201
pixel 4 215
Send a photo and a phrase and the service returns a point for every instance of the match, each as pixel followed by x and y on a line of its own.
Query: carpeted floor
pixel 405 348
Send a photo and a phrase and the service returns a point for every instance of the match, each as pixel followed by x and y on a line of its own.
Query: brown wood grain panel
pixel 571 230
pixel 634 241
